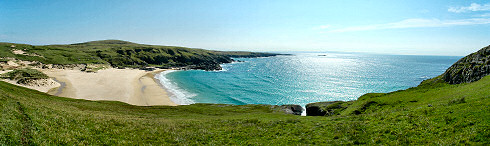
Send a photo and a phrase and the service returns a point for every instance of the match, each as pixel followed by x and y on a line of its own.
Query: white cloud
pixel 415 23
pixel 484 15
pixel 424 23
pixel 472 7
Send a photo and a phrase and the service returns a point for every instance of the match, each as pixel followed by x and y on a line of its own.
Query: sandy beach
pixel 132 86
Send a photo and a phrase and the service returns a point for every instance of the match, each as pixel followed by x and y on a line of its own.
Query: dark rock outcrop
pixel 470 68
pixel 206 66
pixel 250 54
pixel 324 108
pixel 291 109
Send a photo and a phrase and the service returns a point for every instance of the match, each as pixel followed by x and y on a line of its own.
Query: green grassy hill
pixel 459 115
pixel 123 54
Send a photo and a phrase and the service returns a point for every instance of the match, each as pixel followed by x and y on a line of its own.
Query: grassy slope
pixel 28 116
pixel 121 54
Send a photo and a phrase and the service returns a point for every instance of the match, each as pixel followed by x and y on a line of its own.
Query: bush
pixel 24 74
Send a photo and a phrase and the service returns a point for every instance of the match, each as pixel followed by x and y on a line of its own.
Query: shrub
pixel 24 74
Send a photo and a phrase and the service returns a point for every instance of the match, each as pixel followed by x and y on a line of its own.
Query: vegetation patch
pixel 95 67
pixel 3 60
pixel 457 101
pixel 23 76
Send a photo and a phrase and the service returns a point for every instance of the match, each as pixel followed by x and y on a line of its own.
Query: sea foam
pixel 177 94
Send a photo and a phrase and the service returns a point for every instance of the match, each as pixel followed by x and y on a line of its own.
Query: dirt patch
pixel 21 52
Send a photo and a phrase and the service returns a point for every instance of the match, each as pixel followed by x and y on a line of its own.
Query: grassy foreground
pixel 459 114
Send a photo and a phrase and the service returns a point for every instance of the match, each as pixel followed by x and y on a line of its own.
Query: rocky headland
pixel 468 69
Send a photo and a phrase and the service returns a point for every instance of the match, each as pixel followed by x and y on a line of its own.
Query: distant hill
pixel 122 54
pixel 105 42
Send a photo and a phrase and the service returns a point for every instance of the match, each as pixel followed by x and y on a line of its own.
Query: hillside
pixel 436 113
pixel 122 54
pixel 459 114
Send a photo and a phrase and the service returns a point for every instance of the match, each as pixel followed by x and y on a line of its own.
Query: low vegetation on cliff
pixel 122 54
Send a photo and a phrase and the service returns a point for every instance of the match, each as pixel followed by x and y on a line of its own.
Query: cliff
pixel 470 68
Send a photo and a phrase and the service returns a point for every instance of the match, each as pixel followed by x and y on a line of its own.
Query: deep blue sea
pixel 303 78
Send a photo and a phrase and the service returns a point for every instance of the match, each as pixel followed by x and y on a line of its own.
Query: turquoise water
pixel 303 78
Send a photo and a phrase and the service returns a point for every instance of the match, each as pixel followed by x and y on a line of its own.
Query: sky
pixel 411 27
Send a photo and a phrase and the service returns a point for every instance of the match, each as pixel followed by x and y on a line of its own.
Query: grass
pixel 458 115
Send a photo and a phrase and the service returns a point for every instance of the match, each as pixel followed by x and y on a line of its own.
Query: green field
pixel 459 115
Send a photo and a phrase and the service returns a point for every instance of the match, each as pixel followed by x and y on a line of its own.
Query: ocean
pixel 303 78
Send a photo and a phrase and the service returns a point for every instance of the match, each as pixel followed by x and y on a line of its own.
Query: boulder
pixel 324 108
pixel 291 109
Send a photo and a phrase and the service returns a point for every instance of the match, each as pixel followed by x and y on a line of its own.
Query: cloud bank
pixel 415 23
pixel 472 8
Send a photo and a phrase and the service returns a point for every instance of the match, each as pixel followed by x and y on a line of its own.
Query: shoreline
pixel 158 81
pixel 131 86
pixel 151 89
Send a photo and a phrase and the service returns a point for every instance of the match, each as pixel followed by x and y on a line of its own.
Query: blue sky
pixel 422 27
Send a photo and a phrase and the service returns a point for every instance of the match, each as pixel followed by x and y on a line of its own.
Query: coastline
pixel 175 93
pixel 152 90
pixel 132 86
